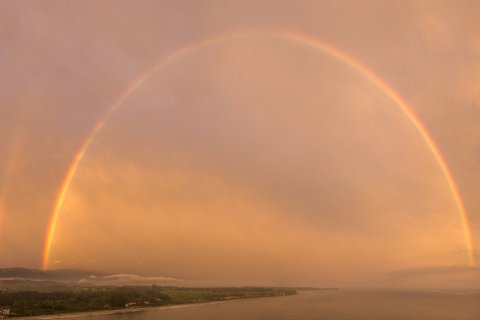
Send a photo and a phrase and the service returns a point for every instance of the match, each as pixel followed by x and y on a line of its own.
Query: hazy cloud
pixel 253 160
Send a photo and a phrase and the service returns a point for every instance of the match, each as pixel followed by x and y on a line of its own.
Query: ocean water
pixel 323 305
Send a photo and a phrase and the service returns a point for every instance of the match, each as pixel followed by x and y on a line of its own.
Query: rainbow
pixel 10 169
pixel 293 37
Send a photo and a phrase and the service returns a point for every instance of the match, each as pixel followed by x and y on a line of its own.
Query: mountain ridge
pixel 60 275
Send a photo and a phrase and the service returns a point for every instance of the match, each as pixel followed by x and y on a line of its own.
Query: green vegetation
pixel 80 299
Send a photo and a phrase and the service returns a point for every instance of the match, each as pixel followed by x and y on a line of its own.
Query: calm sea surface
pixel 333 305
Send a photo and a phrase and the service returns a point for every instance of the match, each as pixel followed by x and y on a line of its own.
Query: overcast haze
pixel 253 160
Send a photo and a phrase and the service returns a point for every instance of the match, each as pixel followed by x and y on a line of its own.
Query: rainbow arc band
pixel 14 159
pixel 289 36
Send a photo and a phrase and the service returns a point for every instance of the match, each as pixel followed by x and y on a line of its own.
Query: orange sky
pixel 252 160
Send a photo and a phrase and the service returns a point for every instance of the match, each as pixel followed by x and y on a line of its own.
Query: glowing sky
pixel 253 159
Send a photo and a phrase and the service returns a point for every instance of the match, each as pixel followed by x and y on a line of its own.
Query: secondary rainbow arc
pixel 9 172
pixel 294 37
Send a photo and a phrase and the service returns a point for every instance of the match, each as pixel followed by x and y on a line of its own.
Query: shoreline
pixel 117 311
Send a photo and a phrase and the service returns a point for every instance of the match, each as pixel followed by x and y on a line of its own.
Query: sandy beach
pixel 118 311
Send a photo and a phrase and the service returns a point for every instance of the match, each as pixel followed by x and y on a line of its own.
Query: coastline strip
pixel 118 311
